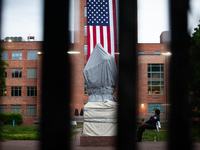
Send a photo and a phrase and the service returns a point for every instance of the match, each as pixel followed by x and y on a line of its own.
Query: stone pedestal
pixel 98 140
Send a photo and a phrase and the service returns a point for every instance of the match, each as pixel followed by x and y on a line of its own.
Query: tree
pixel 3 65
pixel 195 66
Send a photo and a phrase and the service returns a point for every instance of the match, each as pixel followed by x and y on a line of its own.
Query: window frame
pixel 85 49
pixel 34 57
pixel 141 53
pixel 3 91
pixel 159 78
pixel 85 91
pixel 161 108
pixel 3 109
pixel 16 107
pixel 5 53
pixel 14 89
pixel 19 73
pixel 29 89
pixel 31 77
pixel 30 108
pixel 85 11
pixel 85 30
pixel 14 52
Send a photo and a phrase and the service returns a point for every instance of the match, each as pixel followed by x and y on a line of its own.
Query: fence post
pixel 179 77
pixel 55 121
pixel 127 90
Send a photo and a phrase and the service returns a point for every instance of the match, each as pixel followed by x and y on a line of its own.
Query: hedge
pixel 8 118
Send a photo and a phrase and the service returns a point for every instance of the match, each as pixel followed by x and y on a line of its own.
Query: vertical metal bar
pixel 127 74
pixel 179 77
pixel 55 126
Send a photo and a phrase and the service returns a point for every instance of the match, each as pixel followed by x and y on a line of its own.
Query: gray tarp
pixel 100 75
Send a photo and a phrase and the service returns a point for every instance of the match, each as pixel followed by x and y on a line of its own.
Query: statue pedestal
pixel 98 141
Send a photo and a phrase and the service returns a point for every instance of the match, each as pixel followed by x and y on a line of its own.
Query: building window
pixel 16 91
pixel 3 108
pixel 3 92
pixel 85 89
pixel 85 49
pixel 85 86
pixel 5 73
pixel 32 54
pixel 16 73
pixel 85 11
pixel 155 78
pixel 157 53
pixel 16 109
pixel 4 55
pixel 31 73
pixel 17 55
pixel 31 110
pixel 32 91
pixel 152 107
pixel 85 30
pixel 141 53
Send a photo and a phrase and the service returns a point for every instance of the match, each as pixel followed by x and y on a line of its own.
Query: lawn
pixel 163 133
pixel 9 132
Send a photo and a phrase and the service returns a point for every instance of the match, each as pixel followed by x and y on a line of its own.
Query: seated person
pixel 150 124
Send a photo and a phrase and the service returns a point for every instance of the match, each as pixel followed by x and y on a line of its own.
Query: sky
pixel 25 17
pixel 22 18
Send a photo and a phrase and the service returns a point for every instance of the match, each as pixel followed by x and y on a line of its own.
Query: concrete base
pixel 98 141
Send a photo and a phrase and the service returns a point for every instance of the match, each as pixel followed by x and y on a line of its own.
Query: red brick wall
pixel 28 120
pixel 77 65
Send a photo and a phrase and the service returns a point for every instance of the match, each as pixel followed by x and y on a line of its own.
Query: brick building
pixel 23 76
pixel 153 68
pixel 23 92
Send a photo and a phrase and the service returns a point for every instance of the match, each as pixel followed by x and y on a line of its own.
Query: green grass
pixel 78 127
pixel 163 135
pixel 151 134
pixel 9 132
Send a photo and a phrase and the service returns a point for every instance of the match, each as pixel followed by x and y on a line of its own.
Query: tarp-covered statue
pixel 100 113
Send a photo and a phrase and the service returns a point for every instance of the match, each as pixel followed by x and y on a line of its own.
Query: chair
pixel 157 129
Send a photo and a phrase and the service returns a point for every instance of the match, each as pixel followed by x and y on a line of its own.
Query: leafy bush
pixel 8 118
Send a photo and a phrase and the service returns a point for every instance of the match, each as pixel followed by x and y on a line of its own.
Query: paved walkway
pixel 75 142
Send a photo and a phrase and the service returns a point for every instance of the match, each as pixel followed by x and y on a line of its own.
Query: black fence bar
pixel 127 90
pixel 55 126
pixel 179 77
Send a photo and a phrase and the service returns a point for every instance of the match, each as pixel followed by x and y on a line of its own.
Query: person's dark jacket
pixel 153 119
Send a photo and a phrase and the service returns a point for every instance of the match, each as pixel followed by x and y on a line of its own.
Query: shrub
pixel 8 118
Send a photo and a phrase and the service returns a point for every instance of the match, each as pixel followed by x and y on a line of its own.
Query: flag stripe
pixel 88 42
pixel 101 36
pixel 91 39
pixel 108 39
pixel 98 33
pixel 94 37
pixel 105 38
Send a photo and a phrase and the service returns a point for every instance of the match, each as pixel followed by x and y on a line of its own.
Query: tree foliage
pixel 3 65
pixel 195 66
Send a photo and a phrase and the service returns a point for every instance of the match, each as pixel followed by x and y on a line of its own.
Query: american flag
pixel 101 25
